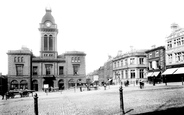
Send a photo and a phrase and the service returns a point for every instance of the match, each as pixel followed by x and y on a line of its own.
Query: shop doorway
pixel 61 84
pixel 50 82
pixel 35 85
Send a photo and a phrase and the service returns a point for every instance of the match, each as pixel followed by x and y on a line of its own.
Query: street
pixel 99 102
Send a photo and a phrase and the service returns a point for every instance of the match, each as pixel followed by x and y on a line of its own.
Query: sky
pixel 97 27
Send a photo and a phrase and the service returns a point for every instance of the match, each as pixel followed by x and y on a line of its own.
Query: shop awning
pixel 180 71
pixel 149 74
pixel 156 73
pixel 169 71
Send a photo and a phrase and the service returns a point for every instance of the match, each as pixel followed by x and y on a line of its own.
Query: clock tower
pixel 48 31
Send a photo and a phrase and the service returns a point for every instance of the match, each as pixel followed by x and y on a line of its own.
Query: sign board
pixel 95 77
pixel 46 86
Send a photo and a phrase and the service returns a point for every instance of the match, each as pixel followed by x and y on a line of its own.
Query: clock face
pixel 48 24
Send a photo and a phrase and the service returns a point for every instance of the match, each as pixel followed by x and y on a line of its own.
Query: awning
pixel 149 74
pixel 180 71
pixel 156 73
pixel 169 71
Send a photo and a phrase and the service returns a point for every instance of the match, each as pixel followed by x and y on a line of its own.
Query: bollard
pixel 121 100
pixel 36 104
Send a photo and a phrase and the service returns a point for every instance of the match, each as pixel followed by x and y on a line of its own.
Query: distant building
pixel 156 63
pixel 130 66
pixel 26 71
pixel 174 54
pixel 104 73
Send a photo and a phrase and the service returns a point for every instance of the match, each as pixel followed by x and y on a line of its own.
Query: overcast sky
pixel 97 27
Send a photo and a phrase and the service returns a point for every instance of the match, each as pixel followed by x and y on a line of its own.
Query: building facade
pixel 130 66
pixel 26 71
pixel 156 63
pixel 174 54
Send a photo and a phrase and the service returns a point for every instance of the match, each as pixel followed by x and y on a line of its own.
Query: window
pixel 150 55
pixel 75 59
pixel 48 69
pixel 126 73
pixel 61 70
pixel 170 58
pixel 126 61
pixel 121 63
pixel 50 42
pixel 19 69
pixel 122 74
pixel 141 73
pixel 150 65
pixel 15 59
pixel 35 70
pixel 118 64
pixel 157 64
pixel 78 60
pixel 132 72
pixel 178 42
pixel 174 43
pixel 156 53
pixel 75 69
pixel 132 61
pixel 182 40
pixel 141 60
pixel 21 59
pixel 72 59
pixel 169 45
pixel 45 42
pixel 18 59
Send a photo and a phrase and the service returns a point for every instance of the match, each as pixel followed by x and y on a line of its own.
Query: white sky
pixel 97 27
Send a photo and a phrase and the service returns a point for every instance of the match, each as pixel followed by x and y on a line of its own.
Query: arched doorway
pixel 23 84
pixel 14 85
pixel 61 84
pixel 35 85
pixel 71 83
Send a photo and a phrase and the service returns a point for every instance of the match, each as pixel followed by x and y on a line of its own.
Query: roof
pixel 48 16
pixel 74 53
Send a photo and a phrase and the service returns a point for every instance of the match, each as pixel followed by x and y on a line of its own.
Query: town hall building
pixel 26 71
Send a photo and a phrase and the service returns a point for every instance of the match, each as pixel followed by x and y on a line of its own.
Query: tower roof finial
pixel 48 8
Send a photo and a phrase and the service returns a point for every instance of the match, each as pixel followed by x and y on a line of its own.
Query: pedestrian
pixel 105 86
pixel 154 80
pixel 80 86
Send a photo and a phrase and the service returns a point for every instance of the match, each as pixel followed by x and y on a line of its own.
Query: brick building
pixel 26 71
pixel 156 63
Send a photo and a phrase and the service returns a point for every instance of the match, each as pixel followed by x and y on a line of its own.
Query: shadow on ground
pixel 169 111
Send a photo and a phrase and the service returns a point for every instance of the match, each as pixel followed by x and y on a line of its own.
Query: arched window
pixel 45 42
pixel 14 84
pixel 15 59
pixel 23 84
pixel 18 59
pixel 71 83
pixel 50 42
pixel 21 59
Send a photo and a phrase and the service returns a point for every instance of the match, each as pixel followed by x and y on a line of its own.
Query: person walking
pixel 105 86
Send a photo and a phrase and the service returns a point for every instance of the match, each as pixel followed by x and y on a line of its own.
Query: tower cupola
pixel 48 16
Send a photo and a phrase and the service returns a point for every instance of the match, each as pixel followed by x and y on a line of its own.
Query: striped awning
pixel 180 71
pixel 169 71
pixel 149 74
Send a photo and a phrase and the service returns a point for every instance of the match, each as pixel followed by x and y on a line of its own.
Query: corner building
pixel 130 66
pixel 26 71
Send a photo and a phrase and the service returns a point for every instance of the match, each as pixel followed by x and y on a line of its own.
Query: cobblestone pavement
pixel 98 102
